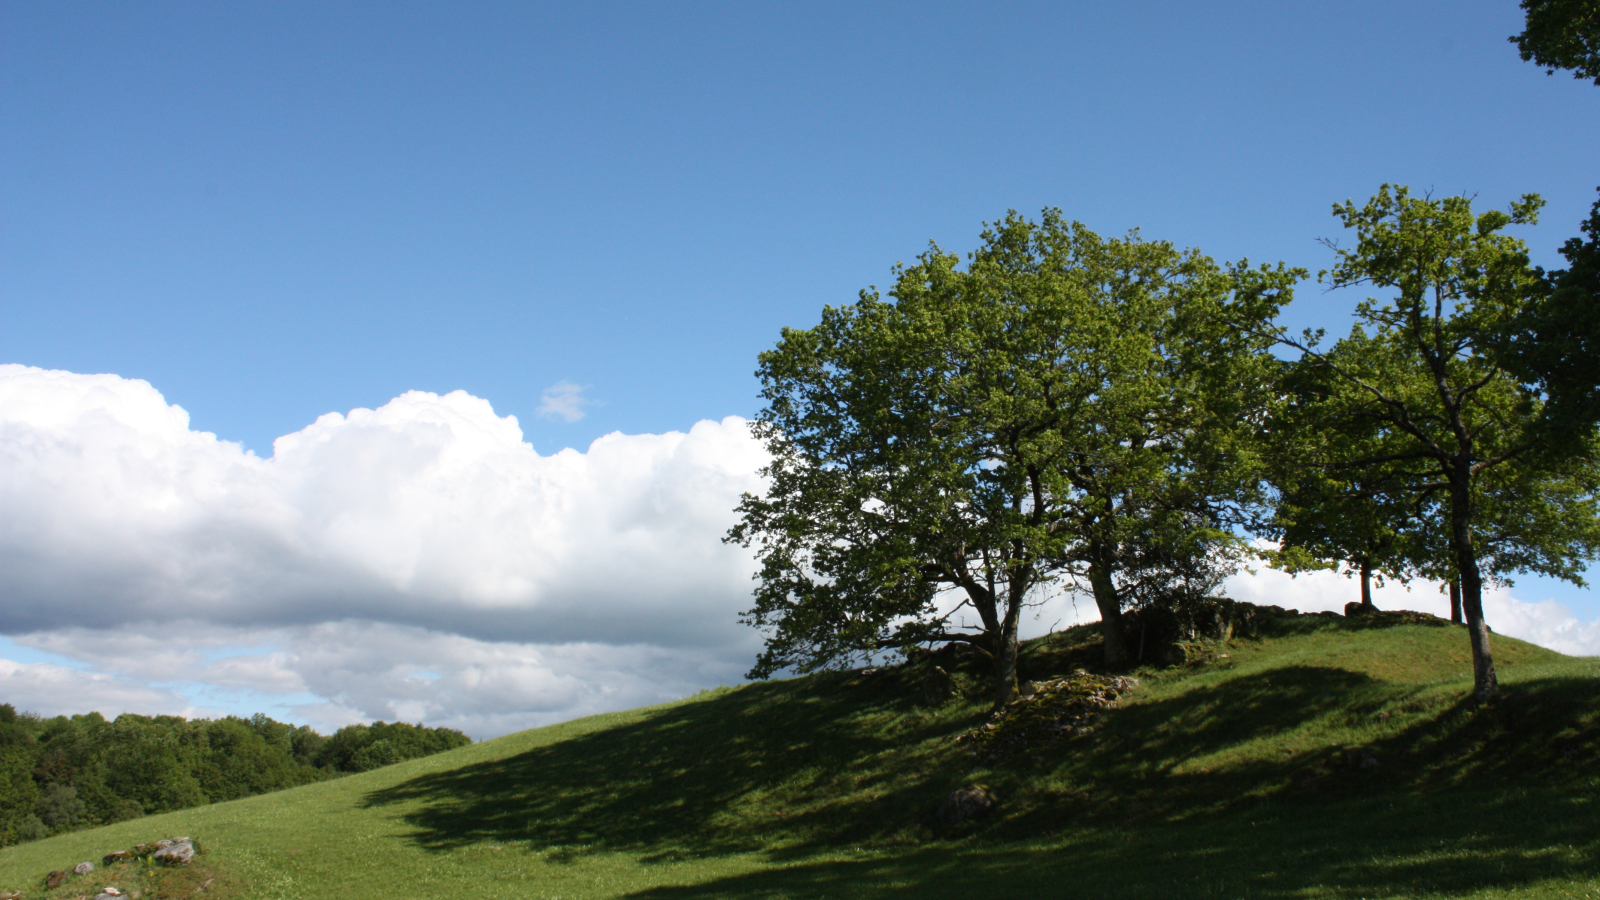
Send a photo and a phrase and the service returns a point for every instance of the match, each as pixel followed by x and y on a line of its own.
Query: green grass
pixel 1237 778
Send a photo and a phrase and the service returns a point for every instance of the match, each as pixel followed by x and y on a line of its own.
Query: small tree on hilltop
pixel 1456 397
pixel 1332 508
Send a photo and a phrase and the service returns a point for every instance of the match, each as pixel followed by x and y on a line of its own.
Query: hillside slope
pixel 1325 758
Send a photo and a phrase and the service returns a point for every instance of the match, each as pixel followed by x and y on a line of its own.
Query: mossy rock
pixel 1051 712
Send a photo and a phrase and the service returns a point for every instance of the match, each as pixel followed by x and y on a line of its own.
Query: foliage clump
pixel 361 748
pixel 65 773
pixel 1052 712
pixel 1562 34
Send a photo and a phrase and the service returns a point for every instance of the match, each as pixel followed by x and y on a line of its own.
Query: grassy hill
pixel 1327 758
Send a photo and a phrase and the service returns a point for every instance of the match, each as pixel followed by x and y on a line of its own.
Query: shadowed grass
pixel 797 766
pixel 1328 758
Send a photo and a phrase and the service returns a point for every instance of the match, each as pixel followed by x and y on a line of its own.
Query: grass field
pixel 1327 759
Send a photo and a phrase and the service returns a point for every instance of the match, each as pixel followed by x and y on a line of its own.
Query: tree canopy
pixel 1562 34
pixel 64 773
pixel 1062 411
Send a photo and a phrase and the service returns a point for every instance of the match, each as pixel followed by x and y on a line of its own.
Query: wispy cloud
pixel 563 400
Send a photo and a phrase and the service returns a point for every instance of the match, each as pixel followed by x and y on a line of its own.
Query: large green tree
pixel 1028 420
pixel 1562 34
pixel 1441 385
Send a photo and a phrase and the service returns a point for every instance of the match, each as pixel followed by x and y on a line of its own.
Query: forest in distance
pixel 65 773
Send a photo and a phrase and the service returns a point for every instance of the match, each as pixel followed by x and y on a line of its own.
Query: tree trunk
pixel 1366 583
pixel 1455 600
pixel 1105 597
pixel 1484 683
pixel 1005 658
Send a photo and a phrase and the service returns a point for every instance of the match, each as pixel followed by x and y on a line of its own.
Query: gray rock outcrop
pixel 177 853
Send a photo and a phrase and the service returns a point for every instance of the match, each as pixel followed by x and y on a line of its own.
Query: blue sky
pixel 272 212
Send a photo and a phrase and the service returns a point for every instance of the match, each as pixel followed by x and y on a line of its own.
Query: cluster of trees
pixel 1126 419
pixel 1118 416
pixel 66 773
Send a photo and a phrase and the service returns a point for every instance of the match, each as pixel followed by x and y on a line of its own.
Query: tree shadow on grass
pixel 1357 848
pixel 798 770
pixel 1169 759
pixel 687 778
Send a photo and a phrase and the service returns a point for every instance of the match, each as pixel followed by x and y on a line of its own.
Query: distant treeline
pixel 65 773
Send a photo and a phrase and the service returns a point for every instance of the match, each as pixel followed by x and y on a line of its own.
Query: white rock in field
pixel 176 854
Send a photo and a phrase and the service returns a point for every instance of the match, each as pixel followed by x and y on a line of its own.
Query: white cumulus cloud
pixel 429 511
pixel 427 516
